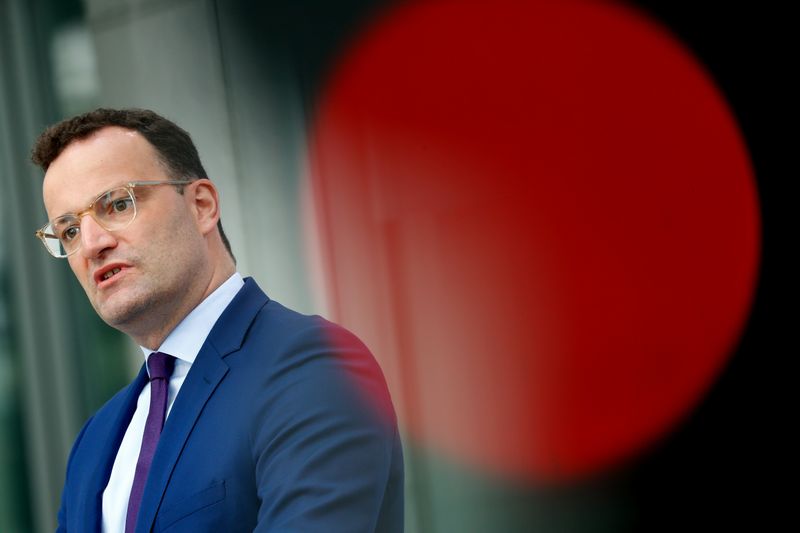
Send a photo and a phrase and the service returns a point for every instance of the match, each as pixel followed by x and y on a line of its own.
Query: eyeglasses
pixel 113 210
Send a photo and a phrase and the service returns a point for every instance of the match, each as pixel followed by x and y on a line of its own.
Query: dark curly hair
pixel 174 146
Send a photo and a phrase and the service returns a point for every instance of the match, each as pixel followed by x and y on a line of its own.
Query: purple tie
pixel 160 366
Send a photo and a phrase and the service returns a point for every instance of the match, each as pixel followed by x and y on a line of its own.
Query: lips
pixel 107 273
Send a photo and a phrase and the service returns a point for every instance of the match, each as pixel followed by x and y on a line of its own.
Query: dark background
pixel 728 466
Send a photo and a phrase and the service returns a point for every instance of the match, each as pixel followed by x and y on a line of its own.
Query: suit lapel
pixel 206 373
pixel 204 376
pixel 93 495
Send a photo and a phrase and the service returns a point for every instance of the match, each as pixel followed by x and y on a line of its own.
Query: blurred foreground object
pixel 546 213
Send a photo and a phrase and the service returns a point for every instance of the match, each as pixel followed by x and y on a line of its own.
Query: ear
pixel 204 200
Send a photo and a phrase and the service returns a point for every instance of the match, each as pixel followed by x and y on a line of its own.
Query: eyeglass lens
pixel 113 210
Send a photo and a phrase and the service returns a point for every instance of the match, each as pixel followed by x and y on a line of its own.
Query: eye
pixel 113 203
pixel 69 233
pixel 119 205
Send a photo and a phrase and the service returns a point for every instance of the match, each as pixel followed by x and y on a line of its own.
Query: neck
pixel 153 334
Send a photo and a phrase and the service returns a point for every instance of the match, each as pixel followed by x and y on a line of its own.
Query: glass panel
pixel 15 512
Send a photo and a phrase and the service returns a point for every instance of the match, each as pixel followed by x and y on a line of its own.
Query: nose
pixel 94 238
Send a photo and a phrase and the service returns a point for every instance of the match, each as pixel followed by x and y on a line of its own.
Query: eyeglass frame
pixel 129 186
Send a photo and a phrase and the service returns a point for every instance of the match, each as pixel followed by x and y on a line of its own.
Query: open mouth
pixel 111 273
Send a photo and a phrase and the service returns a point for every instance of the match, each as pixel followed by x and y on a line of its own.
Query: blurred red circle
pixel 541 216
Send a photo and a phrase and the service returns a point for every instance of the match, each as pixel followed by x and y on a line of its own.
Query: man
pixel 246 416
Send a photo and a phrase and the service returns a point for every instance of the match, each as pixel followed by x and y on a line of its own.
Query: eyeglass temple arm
pixel 159 182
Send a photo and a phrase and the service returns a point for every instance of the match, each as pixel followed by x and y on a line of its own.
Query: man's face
pixel 156 255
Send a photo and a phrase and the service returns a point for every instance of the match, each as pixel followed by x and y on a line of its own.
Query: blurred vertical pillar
pixel 40 304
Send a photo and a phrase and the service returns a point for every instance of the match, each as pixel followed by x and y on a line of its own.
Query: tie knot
pixel 160 365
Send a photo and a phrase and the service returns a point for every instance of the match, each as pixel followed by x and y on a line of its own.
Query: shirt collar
pixel 185 341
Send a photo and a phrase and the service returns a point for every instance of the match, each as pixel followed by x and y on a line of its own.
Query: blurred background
pixel 356 152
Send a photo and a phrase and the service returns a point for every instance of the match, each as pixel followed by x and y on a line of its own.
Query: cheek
pixel 174 240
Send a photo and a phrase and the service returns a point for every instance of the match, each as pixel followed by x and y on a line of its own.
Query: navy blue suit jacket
pixel 283 423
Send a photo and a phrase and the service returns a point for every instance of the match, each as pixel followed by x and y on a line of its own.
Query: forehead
pixel 107 158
